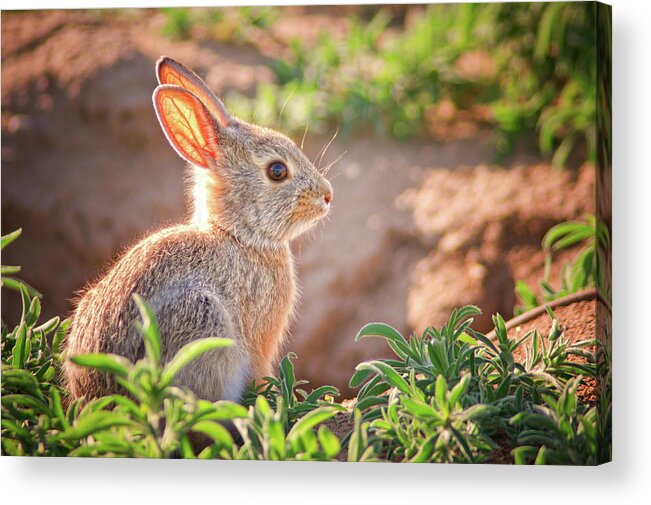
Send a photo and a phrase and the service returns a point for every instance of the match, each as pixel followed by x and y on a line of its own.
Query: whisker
pixel 304 133
pixel 330 165
pixel 328 145
pixel 280 114
pixel 317 155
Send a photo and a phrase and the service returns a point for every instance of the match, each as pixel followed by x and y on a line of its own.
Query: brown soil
pixel 342 425
pixel 416 228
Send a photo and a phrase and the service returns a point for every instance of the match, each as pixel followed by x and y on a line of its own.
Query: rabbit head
pixel 252 182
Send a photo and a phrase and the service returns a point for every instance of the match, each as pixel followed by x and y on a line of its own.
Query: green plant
pixel 588 269
pixel 154 419
pixel 178 22
pixel 33 415
pixel 235 25
pixel 560 432
pixel 265 434
pixel 7 272
pixel 451 393
pixel 295 401
pixel 534 73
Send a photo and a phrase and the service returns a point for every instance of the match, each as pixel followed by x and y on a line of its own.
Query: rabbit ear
pixel 188 125
pixel 169 71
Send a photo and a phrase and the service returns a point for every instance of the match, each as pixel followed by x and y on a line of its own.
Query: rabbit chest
pixel 258 290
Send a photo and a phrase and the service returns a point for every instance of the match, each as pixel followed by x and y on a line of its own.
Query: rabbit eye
pixel 277 171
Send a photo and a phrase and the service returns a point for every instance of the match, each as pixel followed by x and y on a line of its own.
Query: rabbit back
pixel 199 283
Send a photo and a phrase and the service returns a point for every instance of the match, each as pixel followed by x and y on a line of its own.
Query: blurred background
pixel 466 132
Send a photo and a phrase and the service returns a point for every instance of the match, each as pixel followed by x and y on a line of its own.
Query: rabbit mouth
pixel 306 221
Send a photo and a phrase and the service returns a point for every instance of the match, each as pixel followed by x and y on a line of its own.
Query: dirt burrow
pixel 416 228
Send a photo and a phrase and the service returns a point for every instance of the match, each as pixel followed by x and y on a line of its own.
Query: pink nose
pixel 327 198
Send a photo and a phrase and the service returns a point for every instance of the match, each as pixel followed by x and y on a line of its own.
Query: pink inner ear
pixel 187 124
pixel 172 72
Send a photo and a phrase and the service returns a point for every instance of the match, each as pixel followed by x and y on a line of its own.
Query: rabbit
pixel 228 272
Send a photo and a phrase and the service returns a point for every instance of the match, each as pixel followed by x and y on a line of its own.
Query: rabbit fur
pixel 229 272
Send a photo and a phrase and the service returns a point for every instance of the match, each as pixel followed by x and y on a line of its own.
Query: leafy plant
pixel 558 431
pixel 530 66
pixel 588 269
pixel 7 272
pixel 235 25
pixel 265 434
pixel 451 392
pixel 178 22
pixel 296 401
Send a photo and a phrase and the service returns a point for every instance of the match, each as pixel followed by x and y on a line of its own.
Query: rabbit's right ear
pixel 169 71
pixel 188 125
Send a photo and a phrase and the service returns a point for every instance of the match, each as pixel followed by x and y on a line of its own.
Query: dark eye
pixel 277 171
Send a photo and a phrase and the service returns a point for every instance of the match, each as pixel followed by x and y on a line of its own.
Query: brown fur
pixel 227 273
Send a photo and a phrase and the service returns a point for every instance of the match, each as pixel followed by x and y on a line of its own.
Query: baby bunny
pixel 228 272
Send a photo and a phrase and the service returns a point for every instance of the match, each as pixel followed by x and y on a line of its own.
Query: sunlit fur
pixel 228 272
pixel 237 195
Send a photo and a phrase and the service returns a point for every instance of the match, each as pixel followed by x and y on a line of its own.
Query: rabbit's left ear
pixel 188 125
pixel 169 71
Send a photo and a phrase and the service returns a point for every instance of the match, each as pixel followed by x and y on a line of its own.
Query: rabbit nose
pixel 327 192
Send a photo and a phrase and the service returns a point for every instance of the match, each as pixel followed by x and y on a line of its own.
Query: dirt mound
pixel 416 227
pixel 488 224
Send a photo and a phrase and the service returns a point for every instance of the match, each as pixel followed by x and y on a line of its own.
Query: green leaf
pixel 20 380
pixel 18 352
pixel 329 442
pixel 320 392
pixel 215 431
pixel 419 409
pixel 359 377
pixel 425 451
pixel 9 238
pixel 526 294
pixel 520 454
pixel 219 411
pixel 541 459
pixel 148 330
pixel 93 423
pixel 57 408
pixel 466 312
pixel 500 328
pixel 33 312
pixel 22 400
pixel 480 410
pixel 464 444
pixel 371 401
pixel 440 390
pixel 459 390
pixel 380 330
pixel 111 363
pixel 60 334
pixel 48 326
pixel 288 378
pixel 388 373
pixel 464 338
pixel 189 352
pixel 18 285
pixel 309 421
